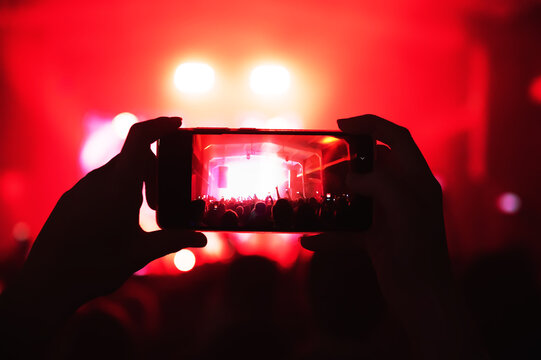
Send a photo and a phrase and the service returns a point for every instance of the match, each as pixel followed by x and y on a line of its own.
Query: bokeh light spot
pixel 270 80
pixel 122 124
pixel 509 203
pixel 101 146
pixel 194 78
pixel 184 260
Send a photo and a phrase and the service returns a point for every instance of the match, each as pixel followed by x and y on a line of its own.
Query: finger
pixel 143 134
pixel 138 142
pixel 151 189
pixel 131 167
pixel 397 137
pixel 331 241
pixel 162 242
pixel 383 158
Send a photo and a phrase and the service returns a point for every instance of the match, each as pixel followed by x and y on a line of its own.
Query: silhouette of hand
pixel 92 241
pixel 407 243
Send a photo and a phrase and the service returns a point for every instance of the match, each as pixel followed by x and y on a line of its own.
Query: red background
pixel 461 75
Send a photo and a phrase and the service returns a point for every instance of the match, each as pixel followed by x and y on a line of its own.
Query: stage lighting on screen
pixel 122 124
pixel 270 80
pixel 184 260
pixel 328 140
pixel 194 78
pixel 257 175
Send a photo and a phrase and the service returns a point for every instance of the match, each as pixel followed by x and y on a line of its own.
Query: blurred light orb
pixel 509 203
pixel 194 78
pixel 122 124
pixel 184 260
pixel 535 90
pixel 270 80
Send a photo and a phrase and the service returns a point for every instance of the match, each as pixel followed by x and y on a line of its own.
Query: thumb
pixel 162 242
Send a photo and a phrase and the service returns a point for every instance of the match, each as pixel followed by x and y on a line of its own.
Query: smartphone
pixel 219 179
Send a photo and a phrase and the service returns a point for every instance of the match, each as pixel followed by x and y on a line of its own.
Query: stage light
pixel 184 260
pixel 122 124
pixel 194 78
pixel 509 203
pixel 259 175
pixel 270 80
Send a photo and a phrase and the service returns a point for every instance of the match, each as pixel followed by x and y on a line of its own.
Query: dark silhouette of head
pixel 197 210
pixel 230 220
pixel 282 213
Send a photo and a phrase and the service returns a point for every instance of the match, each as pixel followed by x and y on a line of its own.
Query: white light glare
pixel 184 260
pixel 270 80
pixel 194 78
pixel 122 124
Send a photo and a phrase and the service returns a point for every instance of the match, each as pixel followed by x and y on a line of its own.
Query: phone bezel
pixel 174 183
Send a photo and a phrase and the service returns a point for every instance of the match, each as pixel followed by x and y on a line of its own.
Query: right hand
pixel 407 241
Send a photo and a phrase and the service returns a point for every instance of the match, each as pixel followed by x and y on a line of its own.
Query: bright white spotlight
pixel 122 124
pixel 184 260
pixel 270 80
pixel 194 78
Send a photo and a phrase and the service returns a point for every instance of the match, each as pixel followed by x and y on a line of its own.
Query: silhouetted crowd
pixel 302 214
pixel 327 308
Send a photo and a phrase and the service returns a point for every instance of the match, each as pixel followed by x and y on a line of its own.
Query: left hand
pixel 92 241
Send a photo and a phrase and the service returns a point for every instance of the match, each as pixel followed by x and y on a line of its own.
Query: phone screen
pixel 283 182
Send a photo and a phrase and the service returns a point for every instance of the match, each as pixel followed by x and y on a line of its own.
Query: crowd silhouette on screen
pixel 327 213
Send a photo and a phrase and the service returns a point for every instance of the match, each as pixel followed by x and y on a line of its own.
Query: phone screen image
pixel 282 182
